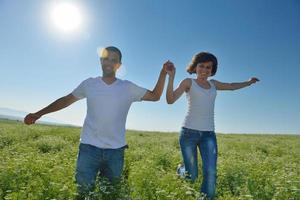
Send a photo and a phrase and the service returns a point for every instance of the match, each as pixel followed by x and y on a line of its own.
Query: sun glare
pixel 66 17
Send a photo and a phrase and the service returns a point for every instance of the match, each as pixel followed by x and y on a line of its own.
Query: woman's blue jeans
pixel 206 142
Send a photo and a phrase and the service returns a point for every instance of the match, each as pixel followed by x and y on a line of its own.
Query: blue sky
pixel 40 63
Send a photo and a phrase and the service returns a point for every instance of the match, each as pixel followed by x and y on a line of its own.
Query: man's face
pixel 110 62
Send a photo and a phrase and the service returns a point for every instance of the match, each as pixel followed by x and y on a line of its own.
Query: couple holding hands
pixel 102 139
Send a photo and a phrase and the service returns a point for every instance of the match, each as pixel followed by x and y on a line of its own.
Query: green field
pixel 38 162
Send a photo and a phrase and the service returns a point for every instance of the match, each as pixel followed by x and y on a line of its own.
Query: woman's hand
pixel 169 68
pixel 253 80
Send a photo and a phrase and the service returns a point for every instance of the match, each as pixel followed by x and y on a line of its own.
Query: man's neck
pixel 109 79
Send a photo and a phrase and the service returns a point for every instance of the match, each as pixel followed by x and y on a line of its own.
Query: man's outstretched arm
pixel 156 93
pixel 55 106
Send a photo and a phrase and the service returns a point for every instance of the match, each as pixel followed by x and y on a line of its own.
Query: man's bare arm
pixel 55 106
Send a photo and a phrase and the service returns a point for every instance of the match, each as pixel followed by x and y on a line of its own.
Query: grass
pixel 38 162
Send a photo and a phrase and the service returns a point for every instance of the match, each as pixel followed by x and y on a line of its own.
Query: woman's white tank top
pixel 201 104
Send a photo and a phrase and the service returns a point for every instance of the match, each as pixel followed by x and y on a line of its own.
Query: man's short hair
pixel 113 49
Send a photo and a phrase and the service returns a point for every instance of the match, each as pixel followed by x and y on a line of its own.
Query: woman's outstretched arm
pixel 234 86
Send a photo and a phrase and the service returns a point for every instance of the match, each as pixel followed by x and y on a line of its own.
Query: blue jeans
pixel 93 160
pixel 207 143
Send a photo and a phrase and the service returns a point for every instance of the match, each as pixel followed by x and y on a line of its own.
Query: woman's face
pixel 204 70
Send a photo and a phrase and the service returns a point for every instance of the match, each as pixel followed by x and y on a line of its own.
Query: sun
pixel 66 17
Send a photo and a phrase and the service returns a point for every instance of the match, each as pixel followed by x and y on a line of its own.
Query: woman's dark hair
pixel 202 57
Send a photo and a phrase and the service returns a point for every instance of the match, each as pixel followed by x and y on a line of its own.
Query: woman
pixel 198 126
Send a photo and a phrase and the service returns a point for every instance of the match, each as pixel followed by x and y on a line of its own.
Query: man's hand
pixel 31 118
pixel 169 68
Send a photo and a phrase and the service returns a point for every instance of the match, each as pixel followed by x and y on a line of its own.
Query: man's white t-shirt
pixel 107 109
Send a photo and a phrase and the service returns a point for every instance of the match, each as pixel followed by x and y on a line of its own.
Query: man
pixel 102 140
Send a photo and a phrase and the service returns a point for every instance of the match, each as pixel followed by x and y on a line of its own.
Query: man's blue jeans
pixel 93 160
pixel 207 143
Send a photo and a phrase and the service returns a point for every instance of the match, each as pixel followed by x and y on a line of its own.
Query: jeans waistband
pixel 195 131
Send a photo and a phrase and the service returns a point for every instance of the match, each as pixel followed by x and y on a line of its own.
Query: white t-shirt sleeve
pixel 80 91
pixel 136 91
